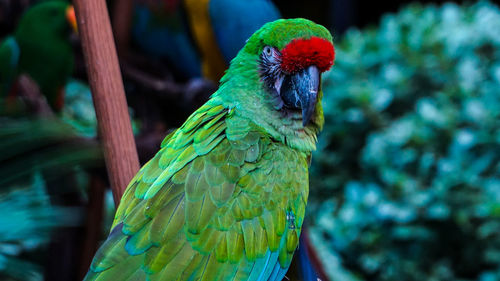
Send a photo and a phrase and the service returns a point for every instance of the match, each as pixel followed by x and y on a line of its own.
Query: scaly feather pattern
pixel 206 208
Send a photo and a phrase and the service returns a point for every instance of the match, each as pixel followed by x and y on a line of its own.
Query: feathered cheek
pixel 301 53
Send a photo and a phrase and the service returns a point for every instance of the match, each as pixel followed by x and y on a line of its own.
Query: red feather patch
pixel 301 53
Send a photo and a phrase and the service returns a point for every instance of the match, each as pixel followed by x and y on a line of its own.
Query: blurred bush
pixel 25 225
pixel 41 162
pixel 406 181
pixel 79 112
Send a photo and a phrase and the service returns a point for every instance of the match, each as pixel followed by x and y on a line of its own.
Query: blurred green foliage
pixel 406 181
pixel 39 158
pixel 25 225
pixel 79 112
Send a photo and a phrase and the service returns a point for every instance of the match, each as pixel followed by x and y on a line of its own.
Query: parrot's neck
pixel 246 95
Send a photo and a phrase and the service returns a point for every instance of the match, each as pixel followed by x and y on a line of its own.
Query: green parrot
pixel 40 48
pixel 225 197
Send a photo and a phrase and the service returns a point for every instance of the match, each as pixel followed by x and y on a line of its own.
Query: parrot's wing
pixel 220 201
pixel 234 22
pixel 9 59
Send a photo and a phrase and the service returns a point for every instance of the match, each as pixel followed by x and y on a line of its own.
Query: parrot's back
pixel 220 201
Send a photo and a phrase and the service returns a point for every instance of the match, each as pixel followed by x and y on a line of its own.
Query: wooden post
pixel 108 94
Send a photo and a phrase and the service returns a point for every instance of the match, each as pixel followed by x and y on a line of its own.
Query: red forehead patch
pixel 301 53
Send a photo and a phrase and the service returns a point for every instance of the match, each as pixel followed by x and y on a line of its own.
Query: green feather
pixel 237 128
pixel 212 269
pixel 166 224
pixel 199 214
pixel 196 185
pixel 163 198
pixel 202 149
pixel 156 258
pixel 193 268
pixel 261 245
pixel 236 157
pixel 221 249
pixel 178 264
pixel 138 243
pixel 249 239
pixel 128 267
pixel 235 246
pixel 207 134
pixel 111 253
pixel 136 220
pixel 206 242
pixel 213 176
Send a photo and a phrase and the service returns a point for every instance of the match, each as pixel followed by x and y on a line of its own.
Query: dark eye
pixel 268 51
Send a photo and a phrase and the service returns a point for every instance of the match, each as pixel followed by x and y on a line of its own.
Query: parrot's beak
pixel 300 91
pixel 71 18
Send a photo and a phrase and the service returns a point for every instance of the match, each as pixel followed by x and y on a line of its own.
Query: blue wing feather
pixel 273 270
pixel 278 273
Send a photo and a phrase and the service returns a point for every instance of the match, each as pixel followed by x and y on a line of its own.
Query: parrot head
pixel 278 73
pixel 50 20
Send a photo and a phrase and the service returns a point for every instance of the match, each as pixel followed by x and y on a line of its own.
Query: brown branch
pixel 196 88
pixel 108 93
pixel 150 81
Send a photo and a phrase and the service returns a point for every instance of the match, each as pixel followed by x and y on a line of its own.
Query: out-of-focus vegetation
pixel 406 181
pixel 25 227
pixel 79 112
pixel 79 109
pixel 41 161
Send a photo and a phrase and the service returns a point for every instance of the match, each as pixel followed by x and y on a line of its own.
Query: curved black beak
pixel 300 91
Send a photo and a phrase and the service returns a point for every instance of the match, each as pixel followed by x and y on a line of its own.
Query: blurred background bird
pixel 40 48
pixel 198 37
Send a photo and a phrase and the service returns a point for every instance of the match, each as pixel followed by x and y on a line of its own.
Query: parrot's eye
pixel 269 52
pixel 270 65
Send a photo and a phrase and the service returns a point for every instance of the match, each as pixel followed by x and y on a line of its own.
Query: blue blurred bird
pixel 198 37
